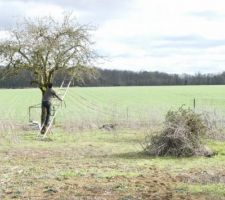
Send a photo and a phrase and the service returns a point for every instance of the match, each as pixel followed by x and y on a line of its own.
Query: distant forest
pixel 123 78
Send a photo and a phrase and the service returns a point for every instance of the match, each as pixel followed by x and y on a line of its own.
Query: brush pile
pixel 181 136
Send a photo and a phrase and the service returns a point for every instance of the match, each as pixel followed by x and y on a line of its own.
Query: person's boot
pixel 43 130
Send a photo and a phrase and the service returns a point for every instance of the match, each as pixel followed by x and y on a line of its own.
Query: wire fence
pixel 91 110
pixel 87 108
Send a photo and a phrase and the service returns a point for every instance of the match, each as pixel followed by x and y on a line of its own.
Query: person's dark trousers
pixel 47 106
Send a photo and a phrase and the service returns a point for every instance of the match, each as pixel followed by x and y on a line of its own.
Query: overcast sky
pixel 174 36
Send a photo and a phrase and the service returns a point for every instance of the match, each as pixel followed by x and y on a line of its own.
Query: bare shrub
pixel 181 135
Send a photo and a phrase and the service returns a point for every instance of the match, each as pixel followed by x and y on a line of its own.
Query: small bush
pixel 181 135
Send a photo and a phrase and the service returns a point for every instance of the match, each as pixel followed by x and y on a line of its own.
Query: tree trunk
pixel 43 111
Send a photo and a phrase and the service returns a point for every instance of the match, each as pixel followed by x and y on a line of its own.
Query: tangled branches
pixel 181 136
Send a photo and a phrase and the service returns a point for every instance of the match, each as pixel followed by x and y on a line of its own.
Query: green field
pixel 112 103
pixel 102 164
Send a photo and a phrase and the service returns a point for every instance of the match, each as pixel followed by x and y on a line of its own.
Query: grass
pixel 100 164
pixel 214 190
pixel 90 163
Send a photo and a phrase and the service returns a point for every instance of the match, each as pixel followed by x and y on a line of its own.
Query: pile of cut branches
pixel 181 136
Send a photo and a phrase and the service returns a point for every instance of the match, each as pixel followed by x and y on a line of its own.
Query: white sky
pixel 174 36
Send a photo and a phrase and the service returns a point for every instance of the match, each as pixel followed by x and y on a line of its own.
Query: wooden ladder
pixel 56 105
pixel 62 92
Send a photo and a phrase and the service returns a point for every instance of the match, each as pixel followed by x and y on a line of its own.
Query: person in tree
pixel 46 104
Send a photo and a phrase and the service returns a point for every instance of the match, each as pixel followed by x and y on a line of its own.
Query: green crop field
pixel 106 164
pixel 114 102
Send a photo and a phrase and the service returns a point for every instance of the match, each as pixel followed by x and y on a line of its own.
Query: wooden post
pixel 194 103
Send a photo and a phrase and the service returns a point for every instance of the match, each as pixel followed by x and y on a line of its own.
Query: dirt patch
pixel 40 180
pixel 119 187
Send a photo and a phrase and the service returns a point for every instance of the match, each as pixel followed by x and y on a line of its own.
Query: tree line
pixel 108 77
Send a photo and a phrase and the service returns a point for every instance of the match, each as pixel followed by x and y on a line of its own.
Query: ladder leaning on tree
pixel 63 89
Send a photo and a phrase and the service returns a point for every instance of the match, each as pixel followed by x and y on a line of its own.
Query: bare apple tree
pixel 45 46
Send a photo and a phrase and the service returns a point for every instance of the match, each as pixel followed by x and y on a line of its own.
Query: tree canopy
pixel 44 46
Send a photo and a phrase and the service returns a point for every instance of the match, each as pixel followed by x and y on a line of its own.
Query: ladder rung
pixel 57 105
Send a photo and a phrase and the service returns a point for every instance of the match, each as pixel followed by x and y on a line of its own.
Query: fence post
pixel 194 103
